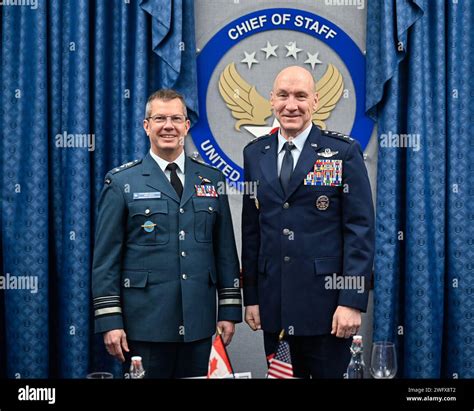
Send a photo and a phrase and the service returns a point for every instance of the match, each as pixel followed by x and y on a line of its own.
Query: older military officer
pixel 164 251
pixel 309 229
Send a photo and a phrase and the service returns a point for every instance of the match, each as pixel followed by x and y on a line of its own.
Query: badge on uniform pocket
pixel 149 226
pixel 322 203
pixel 325 173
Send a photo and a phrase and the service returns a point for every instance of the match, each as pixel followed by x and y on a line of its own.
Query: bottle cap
pixel 357 337
pixel 136 358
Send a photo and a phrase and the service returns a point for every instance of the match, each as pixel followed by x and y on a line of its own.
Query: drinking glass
pixel 383 362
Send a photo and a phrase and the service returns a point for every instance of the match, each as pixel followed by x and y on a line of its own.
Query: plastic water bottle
pixel 356 367
pixel 136 368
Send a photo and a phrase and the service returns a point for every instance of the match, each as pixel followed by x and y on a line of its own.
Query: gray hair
pixel 164 95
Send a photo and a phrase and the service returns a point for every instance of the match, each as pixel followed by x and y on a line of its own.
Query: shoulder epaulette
pixel 203 163
pixel 258 139
pixel 339 136
pixel 125 166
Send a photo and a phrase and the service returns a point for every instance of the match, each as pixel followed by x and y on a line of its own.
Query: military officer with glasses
pixel 165 253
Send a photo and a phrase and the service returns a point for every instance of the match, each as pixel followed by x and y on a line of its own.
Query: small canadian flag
pixel 219 363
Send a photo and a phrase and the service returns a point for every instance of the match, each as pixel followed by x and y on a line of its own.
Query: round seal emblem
pixel 322 203
pixel 236 70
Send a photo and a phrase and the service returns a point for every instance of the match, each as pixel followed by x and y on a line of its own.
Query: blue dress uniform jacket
pixel 292 244
pixel 158 261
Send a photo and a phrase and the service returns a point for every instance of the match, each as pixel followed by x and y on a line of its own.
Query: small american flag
pixel 280 364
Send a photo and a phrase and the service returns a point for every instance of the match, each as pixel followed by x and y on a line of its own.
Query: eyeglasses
pixel 161 119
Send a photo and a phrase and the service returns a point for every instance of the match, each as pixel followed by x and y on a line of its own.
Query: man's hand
pixel 346 322
pixel 252 317
pixel 228 329
pixel 114 341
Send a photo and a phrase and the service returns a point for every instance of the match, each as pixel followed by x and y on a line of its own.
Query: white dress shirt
pixel 164 163
pixel 298 141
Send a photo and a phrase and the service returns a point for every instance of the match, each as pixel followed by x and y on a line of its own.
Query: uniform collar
pixel 298 141
pixel 164 163
pixel 308 156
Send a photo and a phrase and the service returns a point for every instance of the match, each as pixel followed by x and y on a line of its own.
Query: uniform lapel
pixel 269 166
pixel 156 179
pixel 306 160
pixel 192 179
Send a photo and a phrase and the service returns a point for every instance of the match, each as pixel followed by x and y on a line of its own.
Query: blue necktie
pixel 286 166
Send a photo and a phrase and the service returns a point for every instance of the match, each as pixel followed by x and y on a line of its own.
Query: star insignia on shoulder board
pixel 203 163
pixel 129 164
pixel 337 135
pixel 346 137
pixel 255 140
pixel 125 166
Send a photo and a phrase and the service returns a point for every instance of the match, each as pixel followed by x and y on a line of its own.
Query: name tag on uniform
pixel 325 173
pixel 205 190
pixel 146 196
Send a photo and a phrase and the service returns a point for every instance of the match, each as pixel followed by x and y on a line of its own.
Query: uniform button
pixel 286 231
pixel 286 259
pixel 286 205
pixel 147 211
pixel 184 276
pixel 210 208
pixel 181 210
pixel 183 253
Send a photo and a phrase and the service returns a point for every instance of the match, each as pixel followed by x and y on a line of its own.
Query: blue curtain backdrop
pixel 420 82
pixel 78 68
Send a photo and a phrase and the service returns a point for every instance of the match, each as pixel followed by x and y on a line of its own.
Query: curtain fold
pixel 175 45
pixel 75 79
pixel 420 88
pixel 25 142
